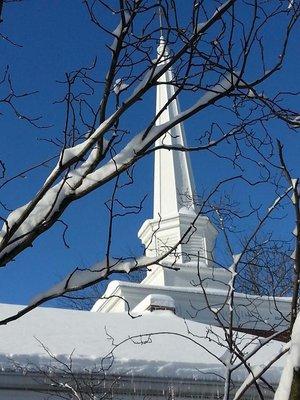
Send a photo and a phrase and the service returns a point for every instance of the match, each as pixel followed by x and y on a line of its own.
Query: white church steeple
pixel 174 211
pixel 174 183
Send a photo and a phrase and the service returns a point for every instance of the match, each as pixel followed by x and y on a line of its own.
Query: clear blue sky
pixel 56 37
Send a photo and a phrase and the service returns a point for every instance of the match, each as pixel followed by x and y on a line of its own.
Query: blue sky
pixel 56 36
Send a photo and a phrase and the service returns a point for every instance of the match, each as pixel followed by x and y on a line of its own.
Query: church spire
pixel 174 187
pixel 174 208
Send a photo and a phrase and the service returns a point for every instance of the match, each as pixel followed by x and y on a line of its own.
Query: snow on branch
pixel 81 278
pixel 233 271
pixel 123 25
pixel 292 365
pixel 47 206
pixel 253 375
pixel 44 209
pixel 140 143
pixel 256 373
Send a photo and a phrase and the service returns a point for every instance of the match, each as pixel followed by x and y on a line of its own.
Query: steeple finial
pixel 160 15
pixel 162 49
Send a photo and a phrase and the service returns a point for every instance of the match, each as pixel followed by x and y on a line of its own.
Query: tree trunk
pixel 295 389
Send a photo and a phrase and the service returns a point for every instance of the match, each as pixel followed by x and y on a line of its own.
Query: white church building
pixel 163 338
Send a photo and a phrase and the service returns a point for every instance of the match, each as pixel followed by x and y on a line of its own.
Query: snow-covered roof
pixel 155 343
pixel 251 312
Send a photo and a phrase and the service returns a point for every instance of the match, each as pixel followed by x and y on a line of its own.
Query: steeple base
pixel 184 236
pixel 188 275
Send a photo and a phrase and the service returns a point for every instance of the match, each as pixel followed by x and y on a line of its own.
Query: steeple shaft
pixel 174 206
pixel 173 177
